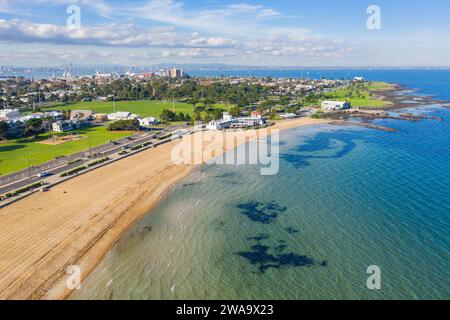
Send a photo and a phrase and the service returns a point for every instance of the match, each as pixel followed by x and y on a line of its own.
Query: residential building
pixel 122 116
pixel 68 125
pixel 79 114
pixel 9 114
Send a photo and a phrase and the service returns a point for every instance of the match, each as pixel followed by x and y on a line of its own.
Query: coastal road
pixel 26 178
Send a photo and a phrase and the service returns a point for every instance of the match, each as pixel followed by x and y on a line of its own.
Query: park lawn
pixel 14 153
pixel 143 108
pixel 365 98
pixel 378 86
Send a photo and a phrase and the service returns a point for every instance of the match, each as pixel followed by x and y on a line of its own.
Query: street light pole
pixel 90 149
pixel 29 168
pixel 114 102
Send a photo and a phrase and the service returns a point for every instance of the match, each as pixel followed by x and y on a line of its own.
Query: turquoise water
pixel 344 199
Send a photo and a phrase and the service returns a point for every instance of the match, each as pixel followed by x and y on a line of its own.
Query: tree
pixel 181 117
pixel 33 126
pixel 268 105
pixel 197 116
pixel 168 115
pixel 3 129
pixel 193 101
pixel 125 125
pixel 236 111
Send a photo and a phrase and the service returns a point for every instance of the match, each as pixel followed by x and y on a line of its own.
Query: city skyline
pixel 252 33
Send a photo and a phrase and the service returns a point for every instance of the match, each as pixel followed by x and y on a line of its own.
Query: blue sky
pixel 276 33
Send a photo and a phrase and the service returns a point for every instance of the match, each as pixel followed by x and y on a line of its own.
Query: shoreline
pixel 79 221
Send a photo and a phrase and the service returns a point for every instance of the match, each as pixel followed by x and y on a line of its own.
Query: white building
pixel 147 122
pixel 219 125
pixel 288 116
pixel 228 121
pixel 335 105
pixel 62 126
pixel 68 125
pixel 9 114
pixel 122 116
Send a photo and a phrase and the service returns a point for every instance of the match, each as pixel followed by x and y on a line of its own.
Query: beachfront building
pixel 216 125
pixel 335 105
pixel 288 116
pixel 229 122
pixel 122 116
pixel 147 122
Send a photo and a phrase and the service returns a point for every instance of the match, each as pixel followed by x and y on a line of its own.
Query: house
pixel 9 114
pixel 78 114
pixel 147 122
pixel 62 126
pixel 54 115
pixel 69 125
pixel 122 116
pixel 335 105
pixel 101 117
pixel 256 114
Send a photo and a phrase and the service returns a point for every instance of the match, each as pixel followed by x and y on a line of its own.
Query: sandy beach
pixel 77 222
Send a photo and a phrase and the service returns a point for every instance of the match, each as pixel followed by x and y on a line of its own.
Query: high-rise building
pixel 176 73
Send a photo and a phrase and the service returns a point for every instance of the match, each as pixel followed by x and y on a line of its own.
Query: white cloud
pixel 237 31
pixel 106 34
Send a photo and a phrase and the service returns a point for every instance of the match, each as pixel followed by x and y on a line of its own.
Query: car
pixel 43 174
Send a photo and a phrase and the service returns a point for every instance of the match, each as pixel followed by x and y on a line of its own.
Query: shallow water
pixel 344 199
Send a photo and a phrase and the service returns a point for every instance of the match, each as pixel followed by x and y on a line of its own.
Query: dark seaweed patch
pixel 291 230
pixel 225 175
pixel 189 184
pixel 260 237
pixel 265 213
pixel 322 142
pixel 260 256
pixel 220 226
pixel 266 257
pixel 295 160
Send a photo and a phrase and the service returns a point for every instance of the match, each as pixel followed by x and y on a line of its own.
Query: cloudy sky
pixel 243 32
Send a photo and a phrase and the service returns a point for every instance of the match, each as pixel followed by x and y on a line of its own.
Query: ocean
pixel 344 199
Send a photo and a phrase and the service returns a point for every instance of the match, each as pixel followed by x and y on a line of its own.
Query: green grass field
pixel 364 98
pixel 14 153
pixel 143 108
pixel 377 86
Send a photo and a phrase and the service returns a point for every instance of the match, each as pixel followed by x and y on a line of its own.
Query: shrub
pixel 72 172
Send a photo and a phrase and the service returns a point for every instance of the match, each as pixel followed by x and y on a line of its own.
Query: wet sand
pixel 77 222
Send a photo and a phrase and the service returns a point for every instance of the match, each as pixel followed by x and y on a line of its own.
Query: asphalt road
pixel 27 177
